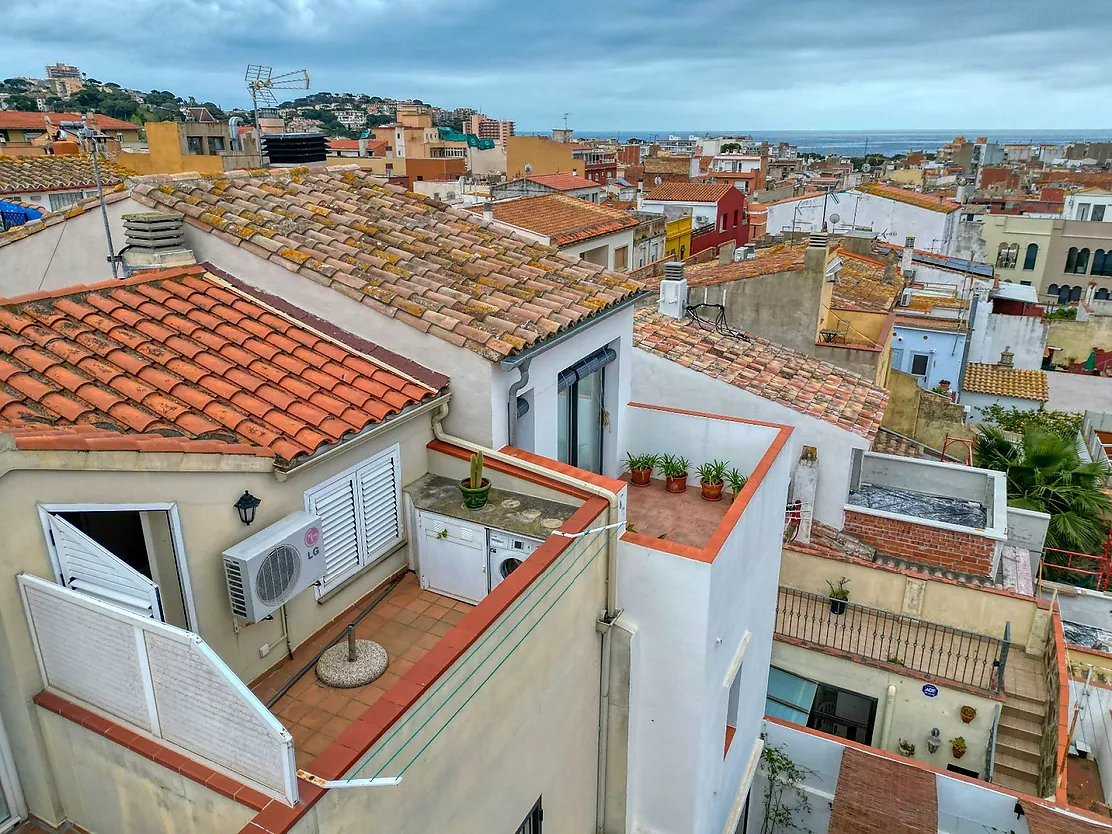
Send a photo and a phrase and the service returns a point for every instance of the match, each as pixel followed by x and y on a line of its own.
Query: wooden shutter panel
pixel 379 484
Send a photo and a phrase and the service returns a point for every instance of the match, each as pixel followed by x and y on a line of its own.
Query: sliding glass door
pixel 582 415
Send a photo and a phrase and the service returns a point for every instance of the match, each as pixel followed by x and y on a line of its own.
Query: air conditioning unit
pixel 905 297
pixel 276 564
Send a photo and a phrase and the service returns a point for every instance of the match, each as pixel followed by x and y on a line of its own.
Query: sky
pixel 612 64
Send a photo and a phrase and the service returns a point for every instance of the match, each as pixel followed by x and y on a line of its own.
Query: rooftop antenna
pixel 565 123
pixel 261 83
pixel 89 137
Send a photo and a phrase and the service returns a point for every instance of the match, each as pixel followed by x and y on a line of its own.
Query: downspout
pixel 511 405
pixel 609 615
pixel 889 708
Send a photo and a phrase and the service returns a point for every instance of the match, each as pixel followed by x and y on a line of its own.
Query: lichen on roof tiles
pixel 182 358
pixel 690 192
pixel 1023 383
pixel 37 174
pixel 911 198
pixel 564 219
pixel 406 256
pixel 776 373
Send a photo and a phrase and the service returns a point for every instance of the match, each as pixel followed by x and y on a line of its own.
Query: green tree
pixel 1045 473
pixel 20 102
pixel 784 797
pixel 16 85
pixel 87 99
pixel 730 147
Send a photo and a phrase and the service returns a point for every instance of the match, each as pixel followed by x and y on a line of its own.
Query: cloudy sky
pixel 613 64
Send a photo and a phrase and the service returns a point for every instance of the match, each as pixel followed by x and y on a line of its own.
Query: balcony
pixel 684 518
pixel 871 634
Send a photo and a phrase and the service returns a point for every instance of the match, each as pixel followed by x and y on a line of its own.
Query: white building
pixel 351 119
pixel 1089 204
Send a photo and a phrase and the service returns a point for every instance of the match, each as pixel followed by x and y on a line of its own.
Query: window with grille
pixel 360 513
pixel 532 823
pixel 64 200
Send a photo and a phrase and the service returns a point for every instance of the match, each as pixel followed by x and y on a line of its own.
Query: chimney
pixel 908 254
pixel 804 489
pixel 1006 358
pixel 155 240
pixel 362 145
pixel 814 259
pixel 488 210
pixel 673 291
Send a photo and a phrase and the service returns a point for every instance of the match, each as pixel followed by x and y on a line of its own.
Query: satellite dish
pixel 657 180
pixel 866 168
pixel 834 218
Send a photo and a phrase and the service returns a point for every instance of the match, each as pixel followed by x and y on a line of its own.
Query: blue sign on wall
pixel 930 690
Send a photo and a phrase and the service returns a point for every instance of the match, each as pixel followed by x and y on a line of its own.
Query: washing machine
pixel 505 551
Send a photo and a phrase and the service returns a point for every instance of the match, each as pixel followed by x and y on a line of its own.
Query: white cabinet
pixel 452 557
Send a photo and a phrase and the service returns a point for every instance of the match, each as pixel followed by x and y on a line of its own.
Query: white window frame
pixel 10 788
pixel 926 371
pixel 176 538
pixel 365 558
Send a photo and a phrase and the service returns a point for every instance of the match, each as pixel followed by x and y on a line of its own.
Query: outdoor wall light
pixel 934 740
pixel 246 505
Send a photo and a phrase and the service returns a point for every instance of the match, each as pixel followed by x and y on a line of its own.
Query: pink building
pixel 496 129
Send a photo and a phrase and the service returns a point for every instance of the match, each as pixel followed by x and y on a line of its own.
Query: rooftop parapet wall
pixel 923 542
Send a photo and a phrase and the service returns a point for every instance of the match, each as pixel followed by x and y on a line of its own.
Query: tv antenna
pixel 261 83
pixel 565 123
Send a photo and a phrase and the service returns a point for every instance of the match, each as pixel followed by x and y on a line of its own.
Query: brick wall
pixel 965 552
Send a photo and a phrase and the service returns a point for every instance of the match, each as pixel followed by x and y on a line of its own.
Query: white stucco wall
pixel 1024 336
pixel 615 332
pixel 661 382
pixel 72 252
pixel 612 242
pixel 891 220
pixel 945 348
pixel 976 402
pixel 701 213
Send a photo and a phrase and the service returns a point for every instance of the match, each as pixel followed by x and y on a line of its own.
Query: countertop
pixel 509 511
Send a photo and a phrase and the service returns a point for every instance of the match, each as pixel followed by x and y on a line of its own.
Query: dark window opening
pixel 919 363
pixel 1031 256
pixel 532 823
pixel 118 532
pixel 964 771
pixel 1102 294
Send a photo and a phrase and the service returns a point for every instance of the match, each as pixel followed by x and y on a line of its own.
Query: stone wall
pixel 922 415
pixel 923 544
pixel 1078 338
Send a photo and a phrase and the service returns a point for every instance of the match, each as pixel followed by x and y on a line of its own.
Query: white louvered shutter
pixel 336 504
pixel 379 484
pixel 92 569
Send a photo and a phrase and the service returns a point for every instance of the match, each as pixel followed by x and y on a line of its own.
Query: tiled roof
pixel 31 174
pixel 690 192
pixel 876 795
pixel 563 182
pixel 179 359
pixel 863 285
pixel 889 443
pixel 564 219
pixel 441 270
pixel 912 198
pixel 1025 383
pixel 770 261
pixel 771 371
pixel 932 323
pixel 53 218
pixel 25 120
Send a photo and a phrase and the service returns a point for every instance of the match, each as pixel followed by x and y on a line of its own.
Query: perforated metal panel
pixel 277 574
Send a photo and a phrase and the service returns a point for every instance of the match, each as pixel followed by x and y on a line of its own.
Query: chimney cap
pixel 1006 358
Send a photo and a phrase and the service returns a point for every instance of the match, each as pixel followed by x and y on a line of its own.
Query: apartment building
pixel 499 130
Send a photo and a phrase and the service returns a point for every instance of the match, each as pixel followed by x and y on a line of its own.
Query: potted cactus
pixel 641 468
pixel 712 477
pixel 475 487
pixel 839 596
pixel 737 483
pixel 957 747
pixel 968 713
pixel 675 469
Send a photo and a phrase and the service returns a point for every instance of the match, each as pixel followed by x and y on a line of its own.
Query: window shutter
pixel 380 504
pixel 336 505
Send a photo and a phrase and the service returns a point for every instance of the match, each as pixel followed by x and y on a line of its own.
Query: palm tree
pixel 1045 473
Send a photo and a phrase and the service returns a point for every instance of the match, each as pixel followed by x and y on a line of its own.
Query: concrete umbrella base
pixel 336 669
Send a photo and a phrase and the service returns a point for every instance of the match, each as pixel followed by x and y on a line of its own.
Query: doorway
pixel 129 556
pixel 842 713
pixel 11 799
pixel 582 418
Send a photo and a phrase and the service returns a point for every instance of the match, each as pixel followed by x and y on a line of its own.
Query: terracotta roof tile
pixel 408 256
pixel 135 383
pixel 563 182
pixel 889 443
pixel 1024 383
pixel 33 174
pixel 771 371
pixel 912 198
pixel 690 192
pixel 769 261
pixel 864 283
pixel 35 120
pixel 564 219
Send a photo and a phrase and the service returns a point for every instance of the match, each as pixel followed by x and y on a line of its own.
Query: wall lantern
pixel 246 505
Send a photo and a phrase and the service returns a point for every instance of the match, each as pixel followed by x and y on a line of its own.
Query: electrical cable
pixel 719 325
pixel 341 636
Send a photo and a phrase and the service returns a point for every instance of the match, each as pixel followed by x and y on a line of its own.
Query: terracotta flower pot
pixel 956 754
pixel 712 492
pixel 967 715
pixel 640 477
pixel 676 484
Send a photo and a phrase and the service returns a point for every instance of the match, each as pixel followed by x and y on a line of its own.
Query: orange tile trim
pixel 144 277
pixel 354 742
pixel 1060 797
pixel 154 750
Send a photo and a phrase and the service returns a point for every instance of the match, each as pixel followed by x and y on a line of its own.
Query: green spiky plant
pixel 1045 474
pixel 476 470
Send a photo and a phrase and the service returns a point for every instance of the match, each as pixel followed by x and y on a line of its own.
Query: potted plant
pixel 712 477
pixel 737 482
pixel 641 468
pixel 839 595
pixel 475 487
pixel 957 747
pixel 675 469
pixel 906 748
pixel 968 714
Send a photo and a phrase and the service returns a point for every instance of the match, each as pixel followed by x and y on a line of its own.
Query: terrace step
pixel 1020 784
pixel 1027 708
pixel 1009 764
pixel 1021 726
pixel 1025 748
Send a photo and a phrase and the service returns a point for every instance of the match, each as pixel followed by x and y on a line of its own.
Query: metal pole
pixel 88 134
pixel 825 197
pixel 352 655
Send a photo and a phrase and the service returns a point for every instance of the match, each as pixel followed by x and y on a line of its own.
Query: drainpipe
pixel 889 708
pixel 609 615
pixel 511 405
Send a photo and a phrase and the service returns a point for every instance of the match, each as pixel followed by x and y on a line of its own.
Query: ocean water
pixel 853 142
